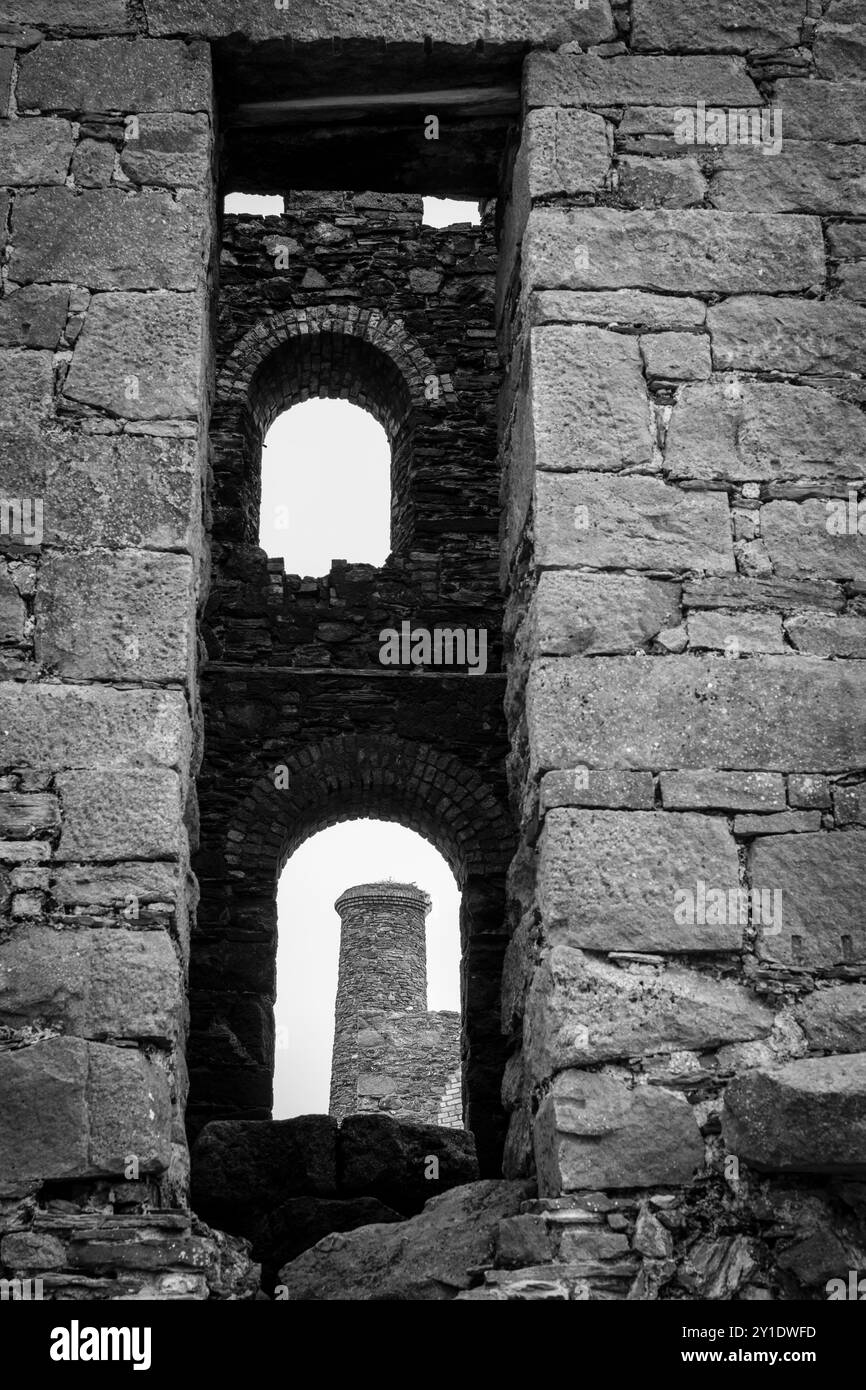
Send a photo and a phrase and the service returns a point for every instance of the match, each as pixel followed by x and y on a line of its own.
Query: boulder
pixel 242 1167
pixel 807 1116
pixel 391 1159
pixel 301 1222
pixel 432 1257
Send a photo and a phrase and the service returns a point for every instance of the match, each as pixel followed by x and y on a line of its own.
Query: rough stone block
pixel 107 239
pixel 116 75
pixel 709 790
pixel 593 1130
pixel 239 1164
pixel 634 522
pixel 582 1010
pixel 828 635
pixel 34 151
pixel 742 591
pixel 25 814
pixel 26 390
pixel 32 1250
pixel 659 183
pixel 12 611
pixel 121 815
pixel 725 26
pixel 386 1158
pixel 753 430
pixel 834 1019
pixel 840 43
pixel 599 787
pixel 108 490
pixel 594 615
pixel 7 63
pixel 78 16
pixel 93 983
pixel 582 79
pixel 87 727
pixel 783 823
pixel 805 1117
pixel 75 1109
pixel 116 615
pixel 781 713
pixel 582 378
pixel 687 252
pixel 33 317
pixel 769 333
pixel 735 633
pixel 798 541
pixel 827 179
pixel 169 150
pixel 822 907
pixel 614 880
pixel 141 356
pixel 676 356
pixel 563 152
pixel 809 792
pixel 609 308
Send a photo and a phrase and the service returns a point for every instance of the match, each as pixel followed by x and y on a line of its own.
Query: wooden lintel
pixel 462 101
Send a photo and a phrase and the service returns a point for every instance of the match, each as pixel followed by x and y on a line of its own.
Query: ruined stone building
pixel 627 434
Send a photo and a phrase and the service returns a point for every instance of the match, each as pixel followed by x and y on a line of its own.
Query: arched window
pixel 326 488
pixel 419 1055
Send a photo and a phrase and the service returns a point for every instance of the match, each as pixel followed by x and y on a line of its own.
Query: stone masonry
pixel 391 1053
pixel 654 800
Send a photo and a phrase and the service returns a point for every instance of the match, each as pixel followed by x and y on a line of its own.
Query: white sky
pixel 309 942
pixel 326 495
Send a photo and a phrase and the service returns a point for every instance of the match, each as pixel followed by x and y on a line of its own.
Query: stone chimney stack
pixel 383 969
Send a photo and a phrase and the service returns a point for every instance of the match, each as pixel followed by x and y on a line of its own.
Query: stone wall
pixel 683 430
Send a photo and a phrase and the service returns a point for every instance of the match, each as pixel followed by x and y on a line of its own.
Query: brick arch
pixel 233 955
pixel 335 351
pixel 351 776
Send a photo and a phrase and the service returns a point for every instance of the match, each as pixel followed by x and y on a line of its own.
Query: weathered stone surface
pixel 301 1222
pixel 121 815
pixel 659 183
pixel 593 615
pixel 107 490
pixel 93 163
pixel 600 787
pixel 751 430
pixel 610 880
pixel 689 252
pixel 608 308
pixel 564 152
pixel 709 790
pixel 386 1158
pixel 92 983
pixel 581 379
pixel 820 177
pixel 118 366
pixel 593 1130
pixel 110 240
pixel 432 1257
pixel 75 1109
pixel 582 1010
pixel 736 633
pixel 115 75
pixel 7 62
pixel 726 26
pixel 33 317
pixel 581 79
pixel 781 713
pixel 805 1117
pixel 12 611
pixel 834 1019
pixel 822 910
pixel 809 791
pixel 742 591
pixel 769 333
pixel 840 43
pixel 126 615
pixel 34 151
pixel 847 238
pixel 23 814
pixel 676 356
pixel 798 542
pixel 81 726
pixel 243 1164
pixel 784 823
pixel 640 523
pixel 849 804
pixel 828 635
pixel 716 1268
pixel 26 388
pixel 171 150
pixel 32 1250
pixel 77 16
